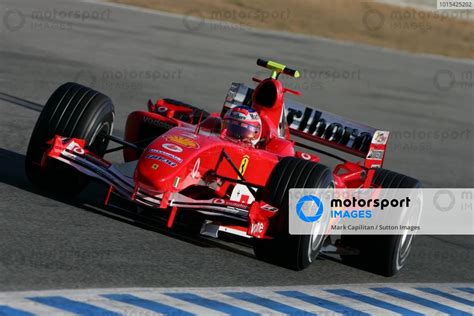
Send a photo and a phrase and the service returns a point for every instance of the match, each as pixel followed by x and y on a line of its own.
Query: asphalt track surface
pixel 49 242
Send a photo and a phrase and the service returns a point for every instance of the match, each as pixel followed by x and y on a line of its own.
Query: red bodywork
pixel 189 163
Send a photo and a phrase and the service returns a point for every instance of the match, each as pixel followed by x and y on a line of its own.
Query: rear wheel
pixel 75 111
pixel 382 254
pixel 292 251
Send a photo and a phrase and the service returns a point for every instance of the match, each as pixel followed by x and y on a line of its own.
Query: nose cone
pixel 155 169
pixel 167 163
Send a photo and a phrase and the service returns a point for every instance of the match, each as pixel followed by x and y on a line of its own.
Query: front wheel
pixel 72 111
pixel 296 252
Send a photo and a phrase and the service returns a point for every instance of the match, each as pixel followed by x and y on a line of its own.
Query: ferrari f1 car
pixel 184 162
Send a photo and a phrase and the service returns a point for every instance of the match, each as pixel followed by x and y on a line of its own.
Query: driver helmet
pixel 244 124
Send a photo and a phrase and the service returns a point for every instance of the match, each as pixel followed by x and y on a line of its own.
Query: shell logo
pixel 183 141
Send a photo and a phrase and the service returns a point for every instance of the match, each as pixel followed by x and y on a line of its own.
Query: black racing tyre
pixel 296 252
pixel 75 111
pixel 382 254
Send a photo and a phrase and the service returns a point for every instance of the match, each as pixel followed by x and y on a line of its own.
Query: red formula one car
pixel 234 168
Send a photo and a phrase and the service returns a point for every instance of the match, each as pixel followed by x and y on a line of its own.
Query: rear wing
pixel 323 127
pixel 337 132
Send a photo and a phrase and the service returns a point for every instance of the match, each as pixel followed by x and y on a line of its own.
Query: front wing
pixel 253 217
